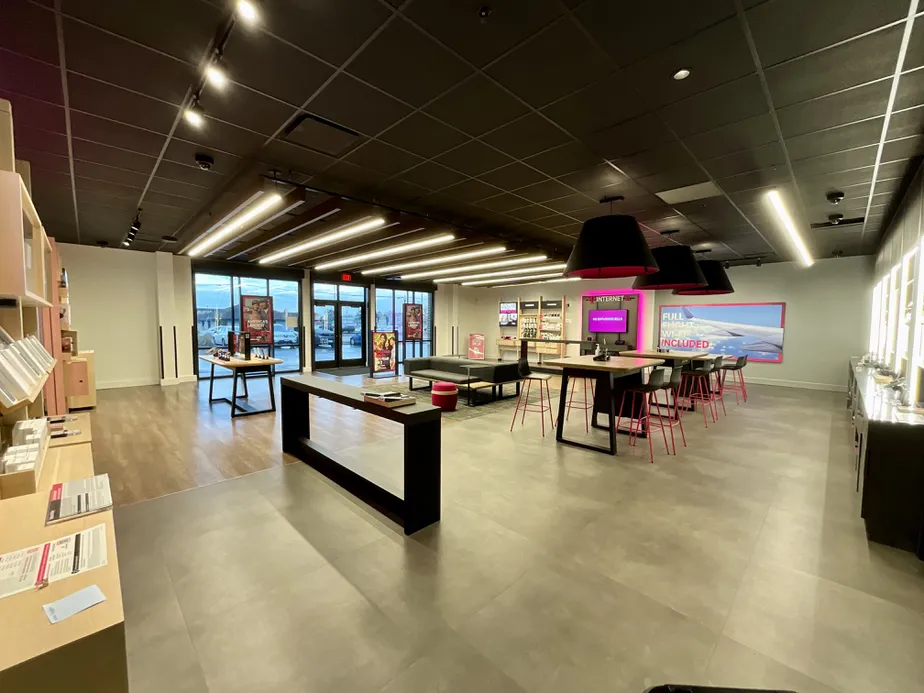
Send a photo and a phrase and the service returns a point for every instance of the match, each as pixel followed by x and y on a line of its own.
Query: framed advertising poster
pixel 476 346
pixel 754 330
pixel 413 321
pixel 257 318
pixel 384 352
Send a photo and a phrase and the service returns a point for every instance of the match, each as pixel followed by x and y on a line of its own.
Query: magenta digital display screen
pixel 607 320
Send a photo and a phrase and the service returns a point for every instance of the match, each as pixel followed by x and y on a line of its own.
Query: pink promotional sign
pixel 754 330
pixel 476 346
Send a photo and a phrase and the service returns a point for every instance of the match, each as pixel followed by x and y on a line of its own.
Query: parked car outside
pixel 323 337
pixel 286 337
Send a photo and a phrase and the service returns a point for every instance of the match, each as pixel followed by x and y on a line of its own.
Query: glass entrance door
pixel 324 328
pixel 352 348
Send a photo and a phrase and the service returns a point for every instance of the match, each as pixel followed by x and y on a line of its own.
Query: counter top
pixel 618 364
pixel 353 397
pixel 876 401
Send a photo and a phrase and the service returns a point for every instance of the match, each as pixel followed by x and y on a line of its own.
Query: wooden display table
pixel 240 367
pixel 613 378
pixel 82 424
pixel 85 652
pixel 414 506
pixel 671 358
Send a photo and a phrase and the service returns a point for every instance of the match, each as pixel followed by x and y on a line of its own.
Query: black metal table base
pixel 246 409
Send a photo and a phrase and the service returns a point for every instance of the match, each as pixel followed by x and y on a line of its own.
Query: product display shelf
pixel 25 252
pixel 25 482
pixel 30 397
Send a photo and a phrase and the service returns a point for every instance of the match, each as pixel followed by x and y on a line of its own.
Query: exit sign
pixel 346 277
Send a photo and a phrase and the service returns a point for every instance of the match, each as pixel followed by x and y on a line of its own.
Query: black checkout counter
pixel 890 462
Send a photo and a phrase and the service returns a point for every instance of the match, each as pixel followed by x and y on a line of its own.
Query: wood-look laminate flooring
pixel 154 441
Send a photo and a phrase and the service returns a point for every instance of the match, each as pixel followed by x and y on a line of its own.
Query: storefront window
pixel 213 310
pixel 324 291
pixel 352 293
pixel 384 309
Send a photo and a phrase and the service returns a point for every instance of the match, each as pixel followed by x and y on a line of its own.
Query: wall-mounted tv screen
pixel 508 314
pixel 607 320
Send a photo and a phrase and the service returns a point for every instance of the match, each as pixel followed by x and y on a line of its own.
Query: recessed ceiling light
pixel 216 75
pixel 247 10
pixel 211 241
pixel 194 114
pixel 682 73
pixel 353 260
pixel 169 239
pixel 478 266
pixel 436 260
pixel 325 239
pixel 503 273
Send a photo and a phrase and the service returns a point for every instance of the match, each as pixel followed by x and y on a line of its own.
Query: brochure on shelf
pixel 77 498
pixel 35 566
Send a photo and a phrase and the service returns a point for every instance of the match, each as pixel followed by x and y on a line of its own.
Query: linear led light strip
pixel 481 266
pixel 286 233
pixel 544 281
pixel 783 214
pixel 504 273
pixel 265 203
pixel 367 224
pixel 353 260
pixel 550 275
pixel 436 260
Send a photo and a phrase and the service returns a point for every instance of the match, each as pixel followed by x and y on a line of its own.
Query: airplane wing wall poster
pixel 725 329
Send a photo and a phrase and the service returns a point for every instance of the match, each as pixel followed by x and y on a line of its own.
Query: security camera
pixel 727 264
pixel 835 197
pixel 484 12
pixel 204 161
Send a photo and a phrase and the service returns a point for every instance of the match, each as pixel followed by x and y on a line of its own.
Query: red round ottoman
pixel 445 396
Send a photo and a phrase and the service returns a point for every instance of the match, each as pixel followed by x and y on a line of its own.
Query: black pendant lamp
pixel 717 281
pixel 610 246
pixel 677 270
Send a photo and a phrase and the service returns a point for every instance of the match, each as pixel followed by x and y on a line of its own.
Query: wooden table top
pixel 82 424
pixel 239 363
pixel 23 522
pixel 617 364
pixel 668 355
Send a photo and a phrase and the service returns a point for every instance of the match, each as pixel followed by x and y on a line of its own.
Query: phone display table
pixel 241 368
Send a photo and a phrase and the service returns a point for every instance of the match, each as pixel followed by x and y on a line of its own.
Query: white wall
pixel 113 297
pixel 827 317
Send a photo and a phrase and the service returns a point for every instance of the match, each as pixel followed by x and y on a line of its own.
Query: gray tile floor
pixel 740 562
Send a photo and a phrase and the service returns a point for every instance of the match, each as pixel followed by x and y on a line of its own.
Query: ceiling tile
pixel 37 114
pixel 223 136
pixel 569 203
pixel 383 158
pixel 673 178
pixel 544 190
pixel 910 90
pixel 755 179
pixel 402 189
pixel 785 29
pixel 725 104
pixel 476 106
pixel 840 161
pixel 714 56
pixel 503 202
pixel 107 57
pixel 594 179
pixel 764 156
pixel 550 65
pixel 631 31
pixel 632 136
pixel 840 180
pixel 565 159
pixel 906 123
pixel 473 158
pixel 458 24
pixel 168 186
pixel 188 173
pixel 39 140
pixel 329 29
pixel 115 103
pixel 835 139
pixel 597 106
pixel 423 135
pixel 351 173
pixel 841 108
pixel 28 30
pixel 179 28
pixel 846 65
pixel 666 156
pixel 267 65
pixel 526 136
pixel 745 134
pixel 553 221
pixel 432 176
pixel 408 64
pixel 471 190
pixel 904 148
pixel 43 160
pixel 531 213
pixel 30 78
pixel 512 176
pixel 352 104
pixel 247 109
pixel 89 127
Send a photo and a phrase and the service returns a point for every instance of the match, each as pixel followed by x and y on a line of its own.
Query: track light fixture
pixel 194 114
pixel 216 75
pixel 136 222
pixel 247 10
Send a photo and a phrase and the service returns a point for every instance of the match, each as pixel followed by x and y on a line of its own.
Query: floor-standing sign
pixel 384 353
pixel 413 326
pixel 476 346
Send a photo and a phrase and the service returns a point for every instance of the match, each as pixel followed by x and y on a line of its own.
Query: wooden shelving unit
pixel 534 322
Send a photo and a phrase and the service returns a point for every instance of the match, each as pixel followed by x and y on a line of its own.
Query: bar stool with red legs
pixel 523 402
pixel 737 384
pixel 698 387
pixel 645 393
pixel 584 403
pixel 672 390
